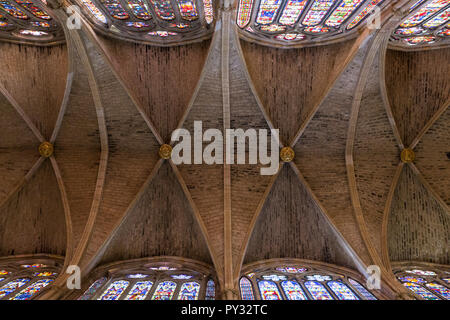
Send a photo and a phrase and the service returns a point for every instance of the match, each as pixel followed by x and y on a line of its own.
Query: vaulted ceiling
pixel 107 103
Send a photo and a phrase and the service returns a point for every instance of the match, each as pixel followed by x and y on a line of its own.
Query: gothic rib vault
pixel 347 109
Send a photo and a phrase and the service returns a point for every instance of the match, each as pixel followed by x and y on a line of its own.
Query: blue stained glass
pixel 189 291
pixel 163 9
pixel 318 277
pixel 269 290
pixel 318 291
pixel 419 290
pixel 31 290
pixel 139 291
pixel 246 289
pixel 164 291
pixel 446 280
pixel 342 291
pixel 362 291
pixel 12 286
pixel 293 291
pixel 267 11
pixel 440 289
pixel 92 289
pixel 115 290
pixel 411 279
pixel 1 279
pixel 210 290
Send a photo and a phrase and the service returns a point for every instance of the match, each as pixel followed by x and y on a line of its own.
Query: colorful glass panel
pixel 292 269
pixel 92 289
pixel 317 11
pixel 446 280
pixel 208 9
pixel 364 13
pixel 139 10
pixel 317 29
pixel 269 290
pixel 244 12
pixel 115 290
pixel 362 291
pixel 246 289
pixel 164 291
pixel 210 290
pixel 139 291
pixel 342 12
pixel 13 10
pixel 438 20
pixel 342 291
pixel 267 11
pixel 35 265
pixel 12 286
pixel 188 10
pixel 292 11
pixel 40 24
pixel 163 9
pixel 31 290
pixel 137 276
pixel 4 272
pixel 439 289
pixel 272 28
pixel 411 279
pixel 189 291
pixel 274 277
pixel 421 272
pixel 44 274
pixel 33 33
pixel 163 268
pixel 415 5
pixel 318 277
pixel 94 10
pixel 409 31
pixel 290 36
pixel 421 39
pixel 36 11
pixel 181 276
pixel 419 290
pixel 318 291
pixel 293 291
pixel 162 34
pixel 115 9
pixel 424 13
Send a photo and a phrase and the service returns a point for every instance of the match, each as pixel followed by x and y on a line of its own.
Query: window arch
pixel 165 279
pixel 285 280
pixel 25 279
pixel 427 281
pixel 291 22
pixel 427 23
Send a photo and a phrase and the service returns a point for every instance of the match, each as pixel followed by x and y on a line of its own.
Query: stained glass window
pixel 421 272
pixel 342 291
pixel 4 272
pixel 439 289
pixel 31 290
pixel 181 276
pixel 318 277
pixel 115 290
pixel 419 290
pixel 317 29
pixel 342 12
pixel 163 268
pixel 36 11
pixel 419 40
pixel 94 10
pixel 163 9
pixel 210 290
pixel 269 290
pixel 362 291
pixel 139 9
pixel 411 279
pixel 244 12
pixel 424 12
pixel 318 291
pixel 267 11
pixel 189 291
pixel 115 9
pixel 89 293
pixel 208 9
pixel 438 20
pixel 13 10
pixel 12 286
pixel 364 13
pixel 246 289
pixel 137 276
pixel 273 28
pixel 274 277
pixel 188 10
pixel 139 291
pixel 164 291
pixel 44 274
pixel 293 291
pixel 446 280
pixel 317 11
pixel 292 11
pixel 291 269
pixel 34 33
